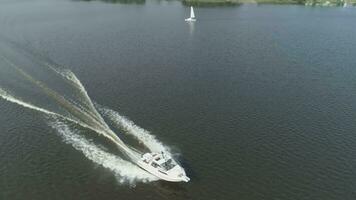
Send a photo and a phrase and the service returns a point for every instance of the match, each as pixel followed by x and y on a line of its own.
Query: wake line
pixel 120 121
pixel 124 170
pixel 72 109
pixel 6 96
pixel 131 128
pixel 60 99
pixel 74 81
pixel 85 113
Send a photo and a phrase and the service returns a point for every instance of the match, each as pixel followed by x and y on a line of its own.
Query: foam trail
pixel 86 115
pixel 86 119
pixel 60 99
pixel 6 96
pixel 74 81
pixel 139 133
pixel 124 171
pixel 144 136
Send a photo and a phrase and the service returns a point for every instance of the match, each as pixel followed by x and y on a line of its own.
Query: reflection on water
pixel 191 27
pixel 119 1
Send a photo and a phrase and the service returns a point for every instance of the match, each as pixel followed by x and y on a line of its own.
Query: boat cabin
pixel 158 161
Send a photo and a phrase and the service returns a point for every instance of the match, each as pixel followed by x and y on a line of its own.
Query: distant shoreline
pixel 326 3
pixel 207 3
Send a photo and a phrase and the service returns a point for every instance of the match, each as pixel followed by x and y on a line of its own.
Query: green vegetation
pixel 120 1
pixel 329 2
pixel 202 3
pixel 238 2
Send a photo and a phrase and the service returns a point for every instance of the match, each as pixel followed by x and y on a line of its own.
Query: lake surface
pixel 256 102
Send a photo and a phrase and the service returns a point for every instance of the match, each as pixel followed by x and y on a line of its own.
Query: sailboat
pixel 192 16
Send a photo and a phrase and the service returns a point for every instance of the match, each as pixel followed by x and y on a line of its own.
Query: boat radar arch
pixel 163 167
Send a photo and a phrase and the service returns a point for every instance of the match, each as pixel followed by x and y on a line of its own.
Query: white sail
pixel 192 12
pixel 192 16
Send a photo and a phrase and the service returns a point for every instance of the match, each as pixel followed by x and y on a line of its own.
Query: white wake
pixel 124 171
pixel 87 116
pixel 142 135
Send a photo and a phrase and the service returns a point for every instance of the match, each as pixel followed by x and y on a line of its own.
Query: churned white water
pixel 88 116
pixel 124 170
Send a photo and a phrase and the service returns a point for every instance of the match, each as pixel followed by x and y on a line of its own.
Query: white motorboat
pixel 163 167
pixel 192 15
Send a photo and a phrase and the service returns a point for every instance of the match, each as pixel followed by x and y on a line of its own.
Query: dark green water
pixel 258 101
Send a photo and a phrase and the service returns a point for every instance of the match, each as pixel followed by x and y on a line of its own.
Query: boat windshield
pixel 169 164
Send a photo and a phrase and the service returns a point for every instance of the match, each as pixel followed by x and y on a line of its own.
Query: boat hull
pixel 190 20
